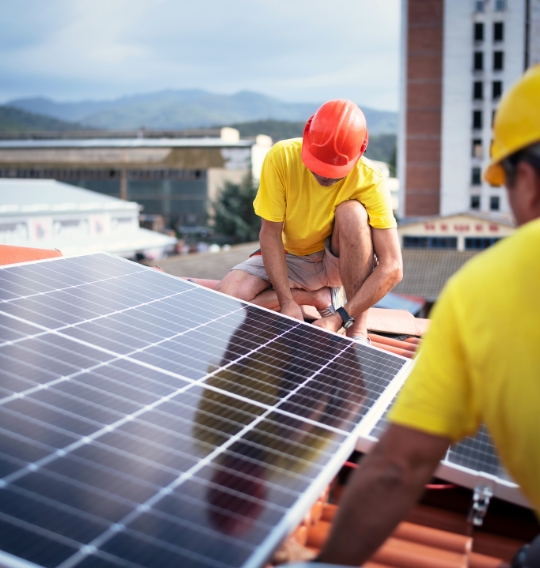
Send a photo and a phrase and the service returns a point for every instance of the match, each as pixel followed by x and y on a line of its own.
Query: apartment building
pixel 458 57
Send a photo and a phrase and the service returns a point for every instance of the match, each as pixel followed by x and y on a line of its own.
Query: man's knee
pixel 351 212
pixel 242 285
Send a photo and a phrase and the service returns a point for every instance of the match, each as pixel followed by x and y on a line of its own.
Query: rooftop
pixel 500 218
pixel 35 197
pixel 125 143
pixel 425 271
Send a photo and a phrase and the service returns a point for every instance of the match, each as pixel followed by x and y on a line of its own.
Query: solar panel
pixel 145 421
pixel 471 462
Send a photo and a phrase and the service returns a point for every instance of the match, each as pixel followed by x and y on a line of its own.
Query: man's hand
pixel 331 323
pixel 292 309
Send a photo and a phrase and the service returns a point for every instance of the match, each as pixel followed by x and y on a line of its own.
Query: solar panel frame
pixel 79 317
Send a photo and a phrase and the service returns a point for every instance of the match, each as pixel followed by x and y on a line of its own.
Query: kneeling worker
pixel 325 212
pixel 480 360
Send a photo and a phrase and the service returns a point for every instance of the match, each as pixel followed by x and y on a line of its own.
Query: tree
pixel 234 216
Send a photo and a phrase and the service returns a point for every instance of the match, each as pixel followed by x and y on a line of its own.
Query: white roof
pixel 151 243
pixel 41 196
pixel 126 143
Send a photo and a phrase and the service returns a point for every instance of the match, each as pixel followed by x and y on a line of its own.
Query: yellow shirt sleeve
pixel 378 203
pixel 371 190
pixel 271 199
pixel 438 397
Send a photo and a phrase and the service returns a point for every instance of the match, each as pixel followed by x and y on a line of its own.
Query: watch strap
pixel 344 315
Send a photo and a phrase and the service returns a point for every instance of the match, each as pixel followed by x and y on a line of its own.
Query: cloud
pixel 303 50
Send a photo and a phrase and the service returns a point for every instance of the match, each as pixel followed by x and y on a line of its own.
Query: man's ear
pixel 528 182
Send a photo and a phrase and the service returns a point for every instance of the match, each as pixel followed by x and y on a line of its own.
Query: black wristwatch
pixel 347 319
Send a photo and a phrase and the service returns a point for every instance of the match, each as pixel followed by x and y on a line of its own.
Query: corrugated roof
pixel 42 196
pixel 425 272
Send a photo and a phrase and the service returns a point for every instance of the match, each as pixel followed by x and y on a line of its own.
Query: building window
pixel 475 202
pixel 498 31
pixel 479 5
pixel 500 5
pixel 494 203
pixel 476 176
pixel 496 90
pixel 478 64
pixel 479 243
pixel 478 90
pixel 477 119
pixel 430 242
pixel 493 118
pixel 477 150
pixel 498 61
pixel 478 31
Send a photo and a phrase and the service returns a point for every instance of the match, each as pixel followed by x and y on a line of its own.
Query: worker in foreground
pixel 325 211
pixel 480 361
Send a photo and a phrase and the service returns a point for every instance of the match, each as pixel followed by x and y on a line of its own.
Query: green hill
pixel 180 109
pixel 15 120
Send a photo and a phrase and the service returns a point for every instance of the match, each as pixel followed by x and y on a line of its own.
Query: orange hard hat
pixel 335 138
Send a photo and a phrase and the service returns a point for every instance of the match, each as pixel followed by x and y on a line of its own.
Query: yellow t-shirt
pixel 480 361
pixel 288 192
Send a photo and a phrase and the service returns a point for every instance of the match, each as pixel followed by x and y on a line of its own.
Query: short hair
pixel 530 154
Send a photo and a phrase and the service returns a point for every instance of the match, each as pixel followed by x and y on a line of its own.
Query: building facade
pixel 458 58
pixel 461 232
pixel 176 178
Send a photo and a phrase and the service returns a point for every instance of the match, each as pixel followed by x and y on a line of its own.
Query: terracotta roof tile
pixel 425 272
pixel 413 544
pixel 13 255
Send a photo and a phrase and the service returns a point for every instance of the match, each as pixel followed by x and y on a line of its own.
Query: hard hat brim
pixel 323 169
pixel 494 174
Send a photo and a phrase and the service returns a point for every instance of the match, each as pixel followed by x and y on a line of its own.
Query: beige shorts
pixel 310 272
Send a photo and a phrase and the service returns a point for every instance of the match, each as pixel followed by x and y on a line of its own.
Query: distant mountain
pixel 186 109
pixel 15 120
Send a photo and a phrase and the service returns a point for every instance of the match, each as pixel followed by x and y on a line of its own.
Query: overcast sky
pixel 296 50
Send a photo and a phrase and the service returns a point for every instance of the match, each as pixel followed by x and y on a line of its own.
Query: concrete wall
pixel 216 180
pixel 534 32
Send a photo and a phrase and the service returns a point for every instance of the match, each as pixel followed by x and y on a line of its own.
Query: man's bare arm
pixel 273 255
pixel 387 274
pixel 380 494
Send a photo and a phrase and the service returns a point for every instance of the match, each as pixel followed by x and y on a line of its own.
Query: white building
pixel 459 58
pixel 52 215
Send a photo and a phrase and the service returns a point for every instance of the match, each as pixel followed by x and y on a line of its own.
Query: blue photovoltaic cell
pixel 145 421
pixel 476 453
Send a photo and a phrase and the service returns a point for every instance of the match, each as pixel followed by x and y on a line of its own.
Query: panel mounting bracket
pixel 483 492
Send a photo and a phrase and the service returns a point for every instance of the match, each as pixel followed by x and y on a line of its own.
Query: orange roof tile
pixel 13 255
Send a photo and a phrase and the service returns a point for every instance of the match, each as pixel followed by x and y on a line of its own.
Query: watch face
pixel 348 323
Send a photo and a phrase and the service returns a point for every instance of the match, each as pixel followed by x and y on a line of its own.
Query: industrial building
pixel 458 58
pixel 177 178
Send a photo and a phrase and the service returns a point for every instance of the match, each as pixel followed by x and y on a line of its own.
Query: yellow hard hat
pixel 517 123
